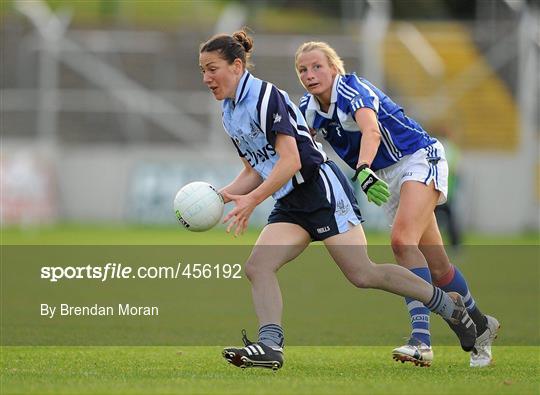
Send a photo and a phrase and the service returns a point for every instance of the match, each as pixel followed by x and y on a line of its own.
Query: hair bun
pixel 245 40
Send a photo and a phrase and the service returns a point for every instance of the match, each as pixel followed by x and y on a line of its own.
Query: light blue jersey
pixel 401 135
pixel 253 120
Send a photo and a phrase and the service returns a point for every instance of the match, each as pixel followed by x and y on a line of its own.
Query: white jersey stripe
pixel 401 123
pixel 345 94
pixel 386 143
pixel 264 106
pixel 349 89
pixel 395 150
pixel 299 178
pixel 375 97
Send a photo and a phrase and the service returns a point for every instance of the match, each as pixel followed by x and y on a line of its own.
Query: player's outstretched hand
pixel 375 188
pixel 245 205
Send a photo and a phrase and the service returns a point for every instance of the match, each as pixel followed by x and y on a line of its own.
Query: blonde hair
pixel 331 55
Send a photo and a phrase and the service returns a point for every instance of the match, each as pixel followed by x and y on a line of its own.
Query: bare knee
pixel 251 270
pixel 364 279
pixel 402 243
pixel 256 269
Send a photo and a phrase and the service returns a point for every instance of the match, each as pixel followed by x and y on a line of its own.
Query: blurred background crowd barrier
pixel 104 113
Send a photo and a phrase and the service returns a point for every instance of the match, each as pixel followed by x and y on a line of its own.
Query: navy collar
pixel 242 88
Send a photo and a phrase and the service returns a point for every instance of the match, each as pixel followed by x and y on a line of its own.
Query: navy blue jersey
pixel 400 134
pixel 254 118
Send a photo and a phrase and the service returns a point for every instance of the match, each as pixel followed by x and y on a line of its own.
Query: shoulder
pixel 304 101
pixel 270 96
pixel 266 90
pixel 351 83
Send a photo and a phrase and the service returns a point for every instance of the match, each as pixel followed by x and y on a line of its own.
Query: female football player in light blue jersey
pixel 314 201
pixel 399 165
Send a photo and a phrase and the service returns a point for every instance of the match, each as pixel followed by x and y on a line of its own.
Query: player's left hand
pixel 375 188
pixel 245 204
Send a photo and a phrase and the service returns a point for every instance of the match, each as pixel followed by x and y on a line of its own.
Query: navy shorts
pixel 324 206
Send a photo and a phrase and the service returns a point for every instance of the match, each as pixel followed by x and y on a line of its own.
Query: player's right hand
pixel 245 205
pixel 375 188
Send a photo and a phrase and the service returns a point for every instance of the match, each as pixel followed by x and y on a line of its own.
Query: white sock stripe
pixel 414 305
pixel 422 331
pixel 467 297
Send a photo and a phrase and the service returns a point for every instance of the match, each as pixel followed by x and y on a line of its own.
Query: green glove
pixel 375 188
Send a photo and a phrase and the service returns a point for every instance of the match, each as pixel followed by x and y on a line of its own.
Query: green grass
pixel 312 370
pixel 85 234
pixel 195 314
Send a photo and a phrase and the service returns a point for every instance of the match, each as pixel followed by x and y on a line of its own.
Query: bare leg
pixel 277 244
pixel 349 251
pixel 432 247
pixel 415 212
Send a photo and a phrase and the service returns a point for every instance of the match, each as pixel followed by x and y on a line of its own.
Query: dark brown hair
pixel 239 45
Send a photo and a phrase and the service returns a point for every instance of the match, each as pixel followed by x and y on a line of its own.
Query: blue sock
pixel 418 312
pixel 271 335
pixel 454 281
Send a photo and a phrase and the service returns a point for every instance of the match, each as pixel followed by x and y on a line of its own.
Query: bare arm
pixel 371 135
pixel 287 165
pixel 246 181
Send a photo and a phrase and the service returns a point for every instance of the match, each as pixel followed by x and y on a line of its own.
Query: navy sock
pixel 418 312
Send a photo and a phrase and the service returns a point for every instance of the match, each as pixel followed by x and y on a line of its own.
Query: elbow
pixel 375 134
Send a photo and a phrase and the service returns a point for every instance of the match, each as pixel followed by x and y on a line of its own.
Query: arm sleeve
pixel 358 95
pixel 274 113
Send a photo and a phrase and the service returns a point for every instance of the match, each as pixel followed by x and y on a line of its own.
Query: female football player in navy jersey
pixel 281 160
pixel 399 165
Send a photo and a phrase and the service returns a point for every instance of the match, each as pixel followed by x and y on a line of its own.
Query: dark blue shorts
pixel 324 206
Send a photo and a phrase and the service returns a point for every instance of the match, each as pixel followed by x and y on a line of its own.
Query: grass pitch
pixel 307 370
pixel 84 234
pixel 368 369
